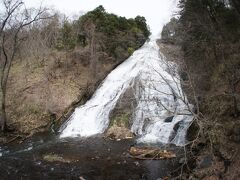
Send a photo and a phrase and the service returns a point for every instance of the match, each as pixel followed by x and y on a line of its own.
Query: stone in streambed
pixel 116 132
pixel 55 158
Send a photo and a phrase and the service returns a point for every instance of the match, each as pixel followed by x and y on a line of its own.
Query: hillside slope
pixel 62 63
pixel 208 33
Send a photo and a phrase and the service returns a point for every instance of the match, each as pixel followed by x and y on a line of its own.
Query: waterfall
pixel 162 113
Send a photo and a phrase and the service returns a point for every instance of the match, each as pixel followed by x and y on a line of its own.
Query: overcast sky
pixel 157 12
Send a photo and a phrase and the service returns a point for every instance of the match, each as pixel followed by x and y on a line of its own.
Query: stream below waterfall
pixel 85 158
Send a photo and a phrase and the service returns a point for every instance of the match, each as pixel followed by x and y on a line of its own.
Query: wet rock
pixel 82 178
pixel 146 122
pixel 122 114
pixel 117 133
pixel 192 131
pixel 137 163
pixel 169 119
pixel 184 76
pixel 174 133
pixel 176 127
pixel 55 158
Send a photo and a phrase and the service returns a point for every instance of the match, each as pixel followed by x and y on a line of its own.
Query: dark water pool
pixel 92 158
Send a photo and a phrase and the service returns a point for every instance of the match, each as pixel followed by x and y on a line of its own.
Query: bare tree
pixel 14 20
pixel 94 43
pixel 93 57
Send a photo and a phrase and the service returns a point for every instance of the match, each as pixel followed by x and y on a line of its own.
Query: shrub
pixel 130 50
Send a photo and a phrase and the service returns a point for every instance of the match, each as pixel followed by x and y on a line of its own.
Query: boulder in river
pixel 118 132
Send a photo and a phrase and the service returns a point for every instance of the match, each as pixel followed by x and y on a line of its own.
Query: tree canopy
pixel 108 24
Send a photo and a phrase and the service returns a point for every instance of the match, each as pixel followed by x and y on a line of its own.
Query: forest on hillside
pixel 208 32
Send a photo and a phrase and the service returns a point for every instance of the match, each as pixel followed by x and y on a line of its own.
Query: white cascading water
pixel 162 113
pixel 159 96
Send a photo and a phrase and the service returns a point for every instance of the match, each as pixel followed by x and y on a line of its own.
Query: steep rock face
pixel 122 116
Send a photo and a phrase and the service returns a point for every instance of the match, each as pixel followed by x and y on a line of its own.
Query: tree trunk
pixel 11 25
pixel 3 117
pixel 93 57
pixel 3 88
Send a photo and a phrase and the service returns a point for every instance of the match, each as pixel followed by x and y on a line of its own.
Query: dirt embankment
pixel 42 90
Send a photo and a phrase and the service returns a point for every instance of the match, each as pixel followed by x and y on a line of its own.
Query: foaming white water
pixel 163 112
pixel 159 96
pixel 92 118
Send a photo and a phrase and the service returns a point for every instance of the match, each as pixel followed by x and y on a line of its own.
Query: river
pixel 85 158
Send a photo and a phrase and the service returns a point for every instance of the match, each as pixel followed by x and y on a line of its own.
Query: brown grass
pixel 38 87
